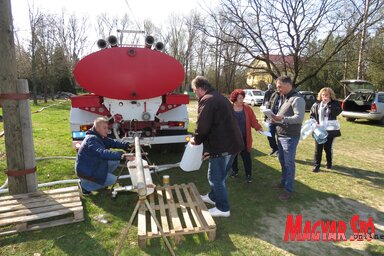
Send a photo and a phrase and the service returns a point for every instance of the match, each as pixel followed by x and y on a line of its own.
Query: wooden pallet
pixel 180 211
pixel 41 209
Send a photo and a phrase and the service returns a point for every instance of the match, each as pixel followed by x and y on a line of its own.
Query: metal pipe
pixel 141 185
pixel 112 40
pixel 159 46
pixel 149 40
pixel 101 43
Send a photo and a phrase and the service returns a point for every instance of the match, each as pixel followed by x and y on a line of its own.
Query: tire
pixel 381 121
pixel 350 119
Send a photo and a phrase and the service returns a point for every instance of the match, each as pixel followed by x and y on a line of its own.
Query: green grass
pixel 257 222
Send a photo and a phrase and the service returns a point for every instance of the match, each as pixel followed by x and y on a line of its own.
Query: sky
pixel 157 11
pixel 138 10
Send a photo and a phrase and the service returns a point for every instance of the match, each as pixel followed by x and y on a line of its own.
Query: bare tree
pixel 286 28
pixel 35 20
pixel 190 23
pixel 72 37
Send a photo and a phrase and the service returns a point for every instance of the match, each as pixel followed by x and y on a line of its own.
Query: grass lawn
pixel 258 218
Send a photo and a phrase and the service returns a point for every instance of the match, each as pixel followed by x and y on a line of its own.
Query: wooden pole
pixel 16 112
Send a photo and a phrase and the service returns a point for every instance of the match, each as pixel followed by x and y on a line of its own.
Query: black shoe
pixel 83 191
pixel 273 152
pixel 316 169
pixel 329 167
pixel 249 179
pixel 234 174
pixel 285 196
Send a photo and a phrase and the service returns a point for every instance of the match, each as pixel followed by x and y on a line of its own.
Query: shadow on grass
pixel 256 226
pixel 259 218
pixel 376 178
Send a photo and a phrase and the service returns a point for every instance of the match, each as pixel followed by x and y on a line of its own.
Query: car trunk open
pixel 361 95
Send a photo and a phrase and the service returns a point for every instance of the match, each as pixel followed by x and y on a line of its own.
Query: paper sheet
pixel 265 133
pixel 268 113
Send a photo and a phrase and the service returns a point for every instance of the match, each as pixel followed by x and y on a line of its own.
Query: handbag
pixel 333 125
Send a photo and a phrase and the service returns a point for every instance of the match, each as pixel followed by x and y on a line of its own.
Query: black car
pixel 310 99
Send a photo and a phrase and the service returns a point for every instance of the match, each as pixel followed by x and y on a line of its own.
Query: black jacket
pixel 333 110
pixel 217 126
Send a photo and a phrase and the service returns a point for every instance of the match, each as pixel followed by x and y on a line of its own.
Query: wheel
pixel 350 119
pixel 381 121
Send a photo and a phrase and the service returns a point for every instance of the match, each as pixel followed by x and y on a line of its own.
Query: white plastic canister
pixel 192 157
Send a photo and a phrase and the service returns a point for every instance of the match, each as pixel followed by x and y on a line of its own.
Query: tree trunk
pixel 17 117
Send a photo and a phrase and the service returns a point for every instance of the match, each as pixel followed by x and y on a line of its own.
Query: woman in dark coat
pixel 325 112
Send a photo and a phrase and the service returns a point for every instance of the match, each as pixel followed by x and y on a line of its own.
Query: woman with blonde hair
pixel 325 112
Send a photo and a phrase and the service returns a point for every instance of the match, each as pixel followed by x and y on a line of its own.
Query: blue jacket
pixel 94 154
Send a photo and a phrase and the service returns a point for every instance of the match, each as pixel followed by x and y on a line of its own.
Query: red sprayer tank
pixel 129 73
pixel 133 87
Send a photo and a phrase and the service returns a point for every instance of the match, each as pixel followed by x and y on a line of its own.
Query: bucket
pixel 192 157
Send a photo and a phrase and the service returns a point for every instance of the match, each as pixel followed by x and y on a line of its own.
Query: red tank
pixel 129 73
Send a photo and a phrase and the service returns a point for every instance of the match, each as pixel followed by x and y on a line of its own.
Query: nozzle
pixel 149 40
pixel 101 43
pixel 112 40
pixel 159 46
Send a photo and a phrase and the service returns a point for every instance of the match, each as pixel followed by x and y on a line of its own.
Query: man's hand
pixel 192 141
pixel 128 157
pixel 205 156
pixel 277 119
pixel 130 147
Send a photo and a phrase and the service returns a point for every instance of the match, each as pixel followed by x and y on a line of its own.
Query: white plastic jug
pixel 192 158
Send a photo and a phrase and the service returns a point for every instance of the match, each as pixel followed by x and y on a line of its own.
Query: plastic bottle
pixel 307 128
pixel 192 157
pixel 320 135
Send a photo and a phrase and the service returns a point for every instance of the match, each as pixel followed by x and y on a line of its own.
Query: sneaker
pixel 329 167
pixel 234 174
pixel 217 213
pixel 278 186
pixel 83 191
pixel 274 152
pixel 206 199
pixel 285 196
pixel 249 179
pixel 316 169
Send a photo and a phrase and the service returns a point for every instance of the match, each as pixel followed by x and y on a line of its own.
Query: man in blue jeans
pixel 95 162
pixel 288 122
pixel 220 134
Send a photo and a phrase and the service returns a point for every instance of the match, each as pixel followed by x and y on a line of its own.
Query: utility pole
pixel 14 95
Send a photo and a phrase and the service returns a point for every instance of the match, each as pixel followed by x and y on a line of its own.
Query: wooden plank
pixel 40 198
pixel 194 211
pixel 142 222
pixel 28 211
pixel 183 207
pixel 40 193
pixel 204 211
pixel 34 204
pixel 176 224
pixel 39 216
pixel 154 229
pixel 187 198
pixel 163 215
pixel 53 223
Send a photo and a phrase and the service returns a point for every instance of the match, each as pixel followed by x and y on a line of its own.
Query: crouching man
pixel 95 162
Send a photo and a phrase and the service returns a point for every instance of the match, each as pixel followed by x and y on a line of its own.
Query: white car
pixel 254 97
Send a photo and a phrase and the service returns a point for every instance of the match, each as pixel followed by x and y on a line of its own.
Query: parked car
pixel 254 97
pixel 309 97
pixel 362 102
